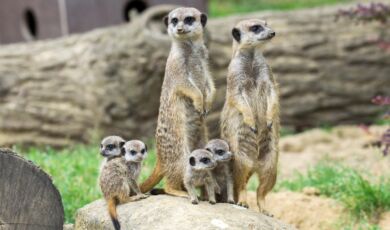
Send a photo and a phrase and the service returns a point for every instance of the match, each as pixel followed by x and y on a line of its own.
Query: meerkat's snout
pixel 135 151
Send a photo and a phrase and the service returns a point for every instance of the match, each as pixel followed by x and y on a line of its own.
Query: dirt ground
pixel 348 145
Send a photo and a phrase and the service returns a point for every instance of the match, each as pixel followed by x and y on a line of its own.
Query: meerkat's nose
pixel 272 34
pixel 180 30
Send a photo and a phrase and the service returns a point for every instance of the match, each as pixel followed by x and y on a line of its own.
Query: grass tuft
pixel 362 198
pixel 75 173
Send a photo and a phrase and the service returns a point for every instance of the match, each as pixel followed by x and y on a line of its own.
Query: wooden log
pixel 28 198
pixel 63 91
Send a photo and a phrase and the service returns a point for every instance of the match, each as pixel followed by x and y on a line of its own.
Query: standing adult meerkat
pixel 119 174
pixel 186 97
pixel 250 117
pixel 222 173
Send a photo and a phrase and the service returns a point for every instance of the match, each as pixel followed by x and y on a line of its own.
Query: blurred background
pixel 73 71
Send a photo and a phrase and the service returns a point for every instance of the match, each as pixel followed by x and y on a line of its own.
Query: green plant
pixel 365 200
pixel 75 173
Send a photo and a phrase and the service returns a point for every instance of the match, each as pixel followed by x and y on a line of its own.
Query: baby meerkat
pixel 186 97
pixel 250 117
pixel 111 147
pixel 222 173
pixel 199 173
pixel 119 174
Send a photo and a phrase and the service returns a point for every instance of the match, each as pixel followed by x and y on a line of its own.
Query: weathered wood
pixel 28 198
pixel 62 91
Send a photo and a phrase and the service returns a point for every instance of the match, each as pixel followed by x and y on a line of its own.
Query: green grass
pixel 218 8
pixel 75 173
pixel 365 200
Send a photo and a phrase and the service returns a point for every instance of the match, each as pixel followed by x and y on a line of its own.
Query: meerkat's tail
pixel 157 191
pixel 153 179
pixel 112 203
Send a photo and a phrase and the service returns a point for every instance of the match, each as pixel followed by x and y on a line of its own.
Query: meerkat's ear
pixel 146 148
pixel 203 19
pixel 121 144
pixel 123 151
pixel 165 20
pixel 236 34
pixel 192 161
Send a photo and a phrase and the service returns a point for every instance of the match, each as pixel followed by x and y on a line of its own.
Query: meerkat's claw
pixel 243 204
pixel 267 213
pixel 254 129
pixel 194 202
pixel 269 125
pixel 143 196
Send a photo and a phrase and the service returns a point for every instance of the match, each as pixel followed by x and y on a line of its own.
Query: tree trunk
pixel 108 81
pixel 28 198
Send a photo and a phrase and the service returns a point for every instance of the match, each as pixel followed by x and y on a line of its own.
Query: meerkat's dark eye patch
pixel 174 21
pixel 110 146
pixel 236 34
pixel 256 29
pixel 205 160
pixel 220 152
pixel 133 152
pixel 192 161
pixel 189 20
pixel 143 151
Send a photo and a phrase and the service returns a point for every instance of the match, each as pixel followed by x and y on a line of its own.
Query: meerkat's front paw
pixel 143 196
pixel 194 201
pixel 231 201
pixel 269 124
pixel 212 201
pixel 243 204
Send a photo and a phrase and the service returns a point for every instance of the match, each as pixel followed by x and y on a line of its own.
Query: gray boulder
pixel 167 212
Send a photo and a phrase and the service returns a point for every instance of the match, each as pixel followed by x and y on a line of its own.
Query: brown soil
pixel 349 145
pixel 303 211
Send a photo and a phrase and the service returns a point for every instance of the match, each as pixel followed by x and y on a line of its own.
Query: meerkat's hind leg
pixel 267 181
pixel 173 190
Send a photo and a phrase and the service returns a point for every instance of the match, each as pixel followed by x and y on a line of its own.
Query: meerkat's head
pixel 201 159
pixel 220 149
pixel 185 23
pixel 111 146
pixel 252 33
pixel 134 151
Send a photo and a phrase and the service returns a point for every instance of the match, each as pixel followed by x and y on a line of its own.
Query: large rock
pixel 63 91
pixel 167 212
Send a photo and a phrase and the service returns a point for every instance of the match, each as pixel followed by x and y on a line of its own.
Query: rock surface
pixel 166 212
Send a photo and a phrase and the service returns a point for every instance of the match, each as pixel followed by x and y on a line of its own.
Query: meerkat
pixel 199 174
pixel 110 147
pixel 186 97
pixel 250 117
pixel 118 177
pixel 222 172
